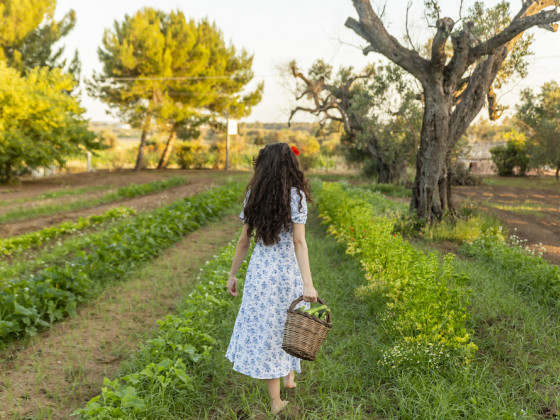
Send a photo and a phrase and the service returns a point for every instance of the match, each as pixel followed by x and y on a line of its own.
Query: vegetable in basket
pixel 319 311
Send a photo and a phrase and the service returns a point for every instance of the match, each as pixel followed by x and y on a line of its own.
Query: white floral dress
pixel 272 283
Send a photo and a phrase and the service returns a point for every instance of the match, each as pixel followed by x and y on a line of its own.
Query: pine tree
pixel 161 68
pixel 29 32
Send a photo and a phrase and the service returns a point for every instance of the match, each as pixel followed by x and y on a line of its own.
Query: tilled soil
pixel 197 181
pixel 543 228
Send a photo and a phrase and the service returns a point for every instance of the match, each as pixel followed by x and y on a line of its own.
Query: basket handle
pixel 321 301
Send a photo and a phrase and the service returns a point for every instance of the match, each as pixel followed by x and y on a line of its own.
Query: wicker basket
pixel 304 333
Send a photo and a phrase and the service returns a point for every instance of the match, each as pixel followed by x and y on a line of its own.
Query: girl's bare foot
pixel 289 380
pixel 277 406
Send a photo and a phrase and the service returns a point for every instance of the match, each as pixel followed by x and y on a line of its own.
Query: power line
pixel 184 78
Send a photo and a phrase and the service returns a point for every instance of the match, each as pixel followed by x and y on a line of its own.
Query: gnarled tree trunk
pixel 430 160
pixel 387 172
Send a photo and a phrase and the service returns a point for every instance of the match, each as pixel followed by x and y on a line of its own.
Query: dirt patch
pixel 541 228
pixel 197 181
pixel 31 187
pixel 62 368
pixel 446 247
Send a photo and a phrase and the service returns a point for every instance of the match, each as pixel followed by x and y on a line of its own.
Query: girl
pixel 275 212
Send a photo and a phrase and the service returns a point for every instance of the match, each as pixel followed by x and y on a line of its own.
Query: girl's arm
pixel 240 252
pixel 300 247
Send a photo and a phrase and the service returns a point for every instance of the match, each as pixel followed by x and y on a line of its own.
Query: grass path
pixel 59 370
pixel 337 384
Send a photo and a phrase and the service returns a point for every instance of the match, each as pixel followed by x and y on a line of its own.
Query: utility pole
pixel 231 129
pixel 227 144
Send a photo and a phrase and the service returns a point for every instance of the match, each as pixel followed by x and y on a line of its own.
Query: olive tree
pixel 377 109
pixel 539 116
pixel 457 76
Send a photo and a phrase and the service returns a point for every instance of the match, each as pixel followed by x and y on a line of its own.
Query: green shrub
pixel 192 154
pixel 460 174
pixel 425 298
pixel 512 155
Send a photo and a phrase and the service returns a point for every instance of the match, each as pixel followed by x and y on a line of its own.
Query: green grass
pixel 346 381
pixel 518 340
pixel 389 190
pixel 132 190
pixel 470 225
pixel 527 182
pixel 525 208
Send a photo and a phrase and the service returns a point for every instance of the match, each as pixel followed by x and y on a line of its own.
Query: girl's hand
pixel 232 286
pixel 310 294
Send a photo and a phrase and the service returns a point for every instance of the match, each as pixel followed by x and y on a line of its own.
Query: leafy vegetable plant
pixel 33 302
pixel 170 368
pixel 16 244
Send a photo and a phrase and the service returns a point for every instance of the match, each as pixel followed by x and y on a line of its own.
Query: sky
pixel 276 32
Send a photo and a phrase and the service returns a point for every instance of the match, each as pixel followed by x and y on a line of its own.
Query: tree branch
pixel 459 63
pixel 495 111
pixel 444 28
pixel 408 37
pixel 460 90
pixel 371 29
pixel 515 28
pixel 472 99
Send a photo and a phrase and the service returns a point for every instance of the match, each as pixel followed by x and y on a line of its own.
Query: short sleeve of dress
pixel 242 214
pixel 298 216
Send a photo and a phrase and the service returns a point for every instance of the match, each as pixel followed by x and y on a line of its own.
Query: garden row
pixel 169 375
pixel 18 244
pixel 175 376
pixel 426 303
pixel 129 191
pixel 56 194
pixel 512 314
pixel 34 301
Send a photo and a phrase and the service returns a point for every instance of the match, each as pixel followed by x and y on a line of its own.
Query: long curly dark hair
pixel 267 210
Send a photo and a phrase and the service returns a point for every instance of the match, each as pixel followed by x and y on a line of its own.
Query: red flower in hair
pixel 295 150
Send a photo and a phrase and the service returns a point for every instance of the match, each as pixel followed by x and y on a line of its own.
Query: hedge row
pixel 425 301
